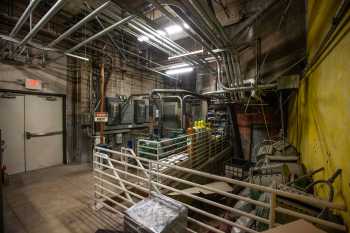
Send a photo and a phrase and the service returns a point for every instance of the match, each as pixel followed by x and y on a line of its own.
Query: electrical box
pixel 140 111
pixel 113 106
pixel 119 138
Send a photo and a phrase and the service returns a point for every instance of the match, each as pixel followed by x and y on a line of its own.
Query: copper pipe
pixel 102 97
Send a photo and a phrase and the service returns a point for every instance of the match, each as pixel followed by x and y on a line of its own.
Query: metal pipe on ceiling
pixel 42 47
pixel 79 24
pixel 186 54
pixel 155 45
pixel 222 39
pixel 241 88
pixel 101 33
pixel 153 35
pixel 194 52
pixel 30 43
pixel 178 21
pixel 237 69
pixel 248 88
pixel 190 33
pixel 228 70
pixel 32 5
pixel 162 43
pixel 195 19
pixel 204 38
pixel 207 30
pixel 236 56
pixel 231 62
pixel 217 83
pixel 53 10
pixel 214 21
pixel 176 91
pixel 86 59
pixel 258 60
pixel 115 45
pixel 152 38
pixel 209 27
pixel 253 18
pixel 106 17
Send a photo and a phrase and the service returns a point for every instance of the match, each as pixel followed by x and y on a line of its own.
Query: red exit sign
pixel 33 84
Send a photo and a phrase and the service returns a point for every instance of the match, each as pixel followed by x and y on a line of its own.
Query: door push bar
pixel 30 135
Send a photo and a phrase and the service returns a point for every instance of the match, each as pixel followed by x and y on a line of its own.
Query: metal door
pixel 12 126
pixel 44 131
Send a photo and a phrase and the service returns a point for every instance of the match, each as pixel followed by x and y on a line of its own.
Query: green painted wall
pixel 319 114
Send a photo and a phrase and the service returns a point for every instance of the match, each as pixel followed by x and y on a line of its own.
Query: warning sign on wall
pixel 101 116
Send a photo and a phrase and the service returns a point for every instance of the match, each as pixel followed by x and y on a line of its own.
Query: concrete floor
pixel 55 200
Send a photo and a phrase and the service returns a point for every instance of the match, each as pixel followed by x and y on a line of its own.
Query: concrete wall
pixel 131 81
pixel 53 76
pixel 319 113
pixel 124 80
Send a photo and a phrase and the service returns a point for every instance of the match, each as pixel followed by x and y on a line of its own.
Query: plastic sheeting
pixel 156 214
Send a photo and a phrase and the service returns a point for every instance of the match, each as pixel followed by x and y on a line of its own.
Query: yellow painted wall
pixel 319 114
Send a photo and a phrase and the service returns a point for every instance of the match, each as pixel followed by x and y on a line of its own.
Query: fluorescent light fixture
pixel 76 56
pixel 186 54
pixel 251 81
pixel 179 66
pixel 173 29
pixel 186 26
pixel 161 32
pixel 179 71
pixel 142 38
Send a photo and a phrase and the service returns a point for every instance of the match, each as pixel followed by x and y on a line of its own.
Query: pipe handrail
pixel 152 171
pixel 305 199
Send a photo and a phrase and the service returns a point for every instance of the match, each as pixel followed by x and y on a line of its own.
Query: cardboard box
pixel 300 226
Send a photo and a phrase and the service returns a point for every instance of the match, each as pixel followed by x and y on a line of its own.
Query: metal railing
pixel 189 150
pixel 123 178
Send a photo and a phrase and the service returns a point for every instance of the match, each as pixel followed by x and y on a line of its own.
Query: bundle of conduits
pixel 207 31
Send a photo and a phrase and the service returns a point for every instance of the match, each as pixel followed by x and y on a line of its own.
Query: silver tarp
pixel 156 214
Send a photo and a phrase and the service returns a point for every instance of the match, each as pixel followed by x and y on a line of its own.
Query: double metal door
pixel 32 127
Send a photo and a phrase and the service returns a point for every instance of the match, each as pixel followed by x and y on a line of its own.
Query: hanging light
pixel 142 38
pixel 76 56
pixel 173 29
pixel 186 26
pixel 161 32
pixel 179 66
pixel 179 71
